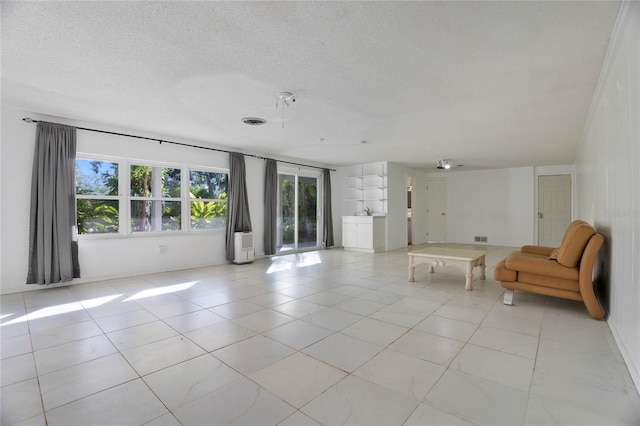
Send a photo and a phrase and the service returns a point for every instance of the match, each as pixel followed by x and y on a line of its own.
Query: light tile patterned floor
pixel 327 337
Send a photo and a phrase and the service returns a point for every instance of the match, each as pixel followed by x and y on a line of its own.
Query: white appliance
pixel 243 245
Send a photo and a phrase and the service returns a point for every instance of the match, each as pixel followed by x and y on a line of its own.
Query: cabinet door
pixel 365 235
pixel 350 234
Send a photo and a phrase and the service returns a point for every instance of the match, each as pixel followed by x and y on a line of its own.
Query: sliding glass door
pixel 298 222
pixel 307 212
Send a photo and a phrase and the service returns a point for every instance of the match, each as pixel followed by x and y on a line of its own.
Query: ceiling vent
pixel 254 121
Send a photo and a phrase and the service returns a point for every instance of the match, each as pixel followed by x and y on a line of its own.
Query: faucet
pixel 367 210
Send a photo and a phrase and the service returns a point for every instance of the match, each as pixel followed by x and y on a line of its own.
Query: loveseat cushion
pixel 548 281
pixel 546 251
pixel 501 273
pixel 575 240
pixel 540 265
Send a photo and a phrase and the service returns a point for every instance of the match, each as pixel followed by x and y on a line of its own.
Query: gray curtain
pixel 327 227
pixel 270 206
pixel 238 219
pixel 53 239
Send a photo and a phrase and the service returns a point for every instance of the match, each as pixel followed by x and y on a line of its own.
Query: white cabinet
pixel 363 233
pixel 349 231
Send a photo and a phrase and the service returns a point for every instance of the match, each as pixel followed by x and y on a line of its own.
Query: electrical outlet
pixel 161 249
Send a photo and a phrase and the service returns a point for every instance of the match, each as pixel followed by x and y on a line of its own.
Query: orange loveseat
pixel 566 271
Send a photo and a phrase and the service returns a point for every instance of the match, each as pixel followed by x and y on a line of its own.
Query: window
pixel 208 200
pixel 97 201
pixel 152 199
pixel 155 199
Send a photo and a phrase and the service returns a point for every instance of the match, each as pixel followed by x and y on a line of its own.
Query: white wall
pixel 419 206
pixel 337 203
pixel 336 206
pixel 396 206
pixel 495 203
pixel 111 257
pixel 609 183
pixel 498 204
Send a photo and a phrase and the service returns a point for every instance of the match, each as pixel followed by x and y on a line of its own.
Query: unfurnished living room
pixel 320 213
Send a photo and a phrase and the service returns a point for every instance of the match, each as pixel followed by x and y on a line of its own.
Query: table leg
pixel 411 269
pixel 469 277
pixel 483 266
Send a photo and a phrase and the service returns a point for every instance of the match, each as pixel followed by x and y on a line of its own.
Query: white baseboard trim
pixel 633 385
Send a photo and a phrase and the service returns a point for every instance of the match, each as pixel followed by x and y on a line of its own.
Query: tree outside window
pixel 97 201
pixel 155 198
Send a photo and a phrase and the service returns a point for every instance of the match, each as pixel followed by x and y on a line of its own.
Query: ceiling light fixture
pixel 284 99
pixel 444 164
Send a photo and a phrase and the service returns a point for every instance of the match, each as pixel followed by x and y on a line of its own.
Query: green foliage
pixel 207 184
pixel 288 232
pixel 102 216
pixel 208 214
pixel 141 185
pixel 140 181
pixel 97 216
pixel 307 209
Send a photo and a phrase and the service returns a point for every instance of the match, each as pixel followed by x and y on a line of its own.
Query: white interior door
pixel 554 208
pixel 436 214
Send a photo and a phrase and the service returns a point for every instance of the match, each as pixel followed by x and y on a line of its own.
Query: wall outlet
pixel 479 239
pixel 161 249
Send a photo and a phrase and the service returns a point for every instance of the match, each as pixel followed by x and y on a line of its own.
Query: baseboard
pixel 631 368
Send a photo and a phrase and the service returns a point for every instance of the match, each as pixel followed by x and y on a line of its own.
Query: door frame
pixel 311 173
pixel 444 225
pixel 569 169
pixel 410 206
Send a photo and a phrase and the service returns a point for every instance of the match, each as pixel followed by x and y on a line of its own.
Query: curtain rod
pixel 161 141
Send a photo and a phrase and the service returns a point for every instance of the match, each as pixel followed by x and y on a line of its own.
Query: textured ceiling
pixel 486 84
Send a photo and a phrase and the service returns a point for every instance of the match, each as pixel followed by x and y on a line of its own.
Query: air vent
pixel 479 239
pixel 254 121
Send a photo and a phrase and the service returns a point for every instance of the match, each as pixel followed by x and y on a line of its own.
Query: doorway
pixel 554 208
pixel 297 222
pixel 436 215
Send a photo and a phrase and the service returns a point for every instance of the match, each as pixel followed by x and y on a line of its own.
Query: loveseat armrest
pixel 545 251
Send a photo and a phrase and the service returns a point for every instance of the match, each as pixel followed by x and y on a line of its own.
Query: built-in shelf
pixel 368 189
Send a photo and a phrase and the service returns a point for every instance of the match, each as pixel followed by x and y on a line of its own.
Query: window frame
pixel 153 198
pixel 125 198
pixel 205 200
pixel 119 198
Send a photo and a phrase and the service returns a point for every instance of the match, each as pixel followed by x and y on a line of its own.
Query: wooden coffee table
pixel 464 260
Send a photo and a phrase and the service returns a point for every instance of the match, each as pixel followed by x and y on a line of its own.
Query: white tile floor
pixel 328 337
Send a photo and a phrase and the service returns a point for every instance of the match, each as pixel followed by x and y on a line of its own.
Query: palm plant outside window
pixel 208 199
